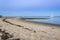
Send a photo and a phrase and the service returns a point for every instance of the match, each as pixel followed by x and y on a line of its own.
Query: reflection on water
pixel 54 20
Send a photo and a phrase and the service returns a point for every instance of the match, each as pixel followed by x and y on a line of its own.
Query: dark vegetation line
pixel 18 25
pixel 11 23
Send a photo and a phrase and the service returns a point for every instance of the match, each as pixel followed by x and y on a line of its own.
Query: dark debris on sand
pixel 5 35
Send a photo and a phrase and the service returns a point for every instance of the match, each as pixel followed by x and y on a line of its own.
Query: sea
pixel 51 20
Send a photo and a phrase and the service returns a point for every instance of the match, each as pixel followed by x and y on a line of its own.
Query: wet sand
pixel 30 30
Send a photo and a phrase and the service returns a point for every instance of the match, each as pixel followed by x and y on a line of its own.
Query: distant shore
pixel 44 23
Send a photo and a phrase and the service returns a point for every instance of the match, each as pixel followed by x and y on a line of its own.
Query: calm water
pixel 54 20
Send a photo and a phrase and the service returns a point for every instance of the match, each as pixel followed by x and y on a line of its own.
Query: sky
pixel 30 7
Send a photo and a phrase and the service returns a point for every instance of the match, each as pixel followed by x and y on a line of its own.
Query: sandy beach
pixel 30 30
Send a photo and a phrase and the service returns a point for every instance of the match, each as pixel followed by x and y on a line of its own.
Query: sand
pixel 30 30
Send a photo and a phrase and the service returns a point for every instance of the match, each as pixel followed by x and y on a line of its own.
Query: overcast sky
pixel 29 7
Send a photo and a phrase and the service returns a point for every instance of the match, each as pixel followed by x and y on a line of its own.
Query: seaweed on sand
pixel 5 35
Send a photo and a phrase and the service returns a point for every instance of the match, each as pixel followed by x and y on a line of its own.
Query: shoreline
pixel 30 30
pixel 44 23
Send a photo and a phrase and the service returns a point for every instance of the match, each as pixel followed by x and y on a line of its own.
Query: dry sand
pixel 30 30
